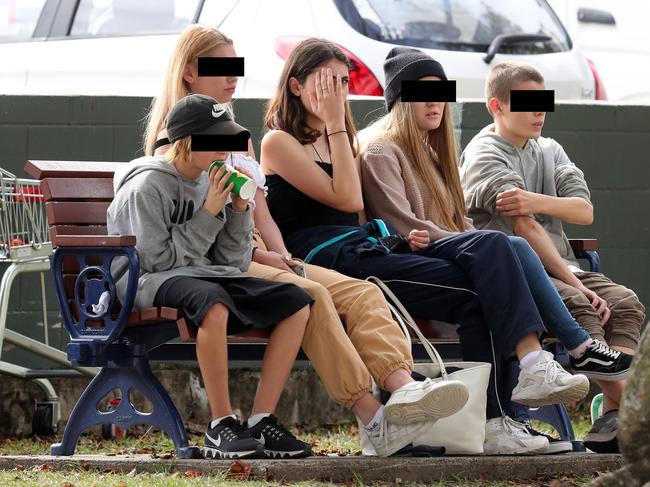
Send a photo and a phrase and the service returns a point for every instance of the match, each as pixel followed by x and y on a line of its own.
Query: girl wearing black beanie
pixel 410 176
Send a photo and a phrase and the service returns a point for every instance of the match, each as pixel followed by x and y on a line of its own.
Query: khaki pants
pixel 624 325
pixel 345 356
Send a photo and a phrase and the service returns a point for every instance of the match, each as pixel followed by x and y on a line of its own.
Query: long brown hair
pixel 437 149
pixel 194 42
pixel 285 110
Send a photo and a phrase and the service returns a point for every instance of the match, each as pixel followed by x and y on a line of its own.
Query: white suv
pixel 121 47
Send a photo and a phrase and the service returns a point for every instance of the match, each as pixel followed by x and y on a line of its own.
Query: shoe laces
pixel 515 429
pixel 233 428
pixel 279 431
pixel 603 349
pixel 553 369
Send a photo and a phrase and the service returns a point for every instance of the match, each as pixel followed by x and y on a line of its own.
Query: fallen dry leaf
pixel 193 473
pixel 238 471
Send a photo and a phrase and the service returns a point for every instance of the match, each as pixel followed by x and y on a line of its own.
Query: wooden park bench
pixel 123 341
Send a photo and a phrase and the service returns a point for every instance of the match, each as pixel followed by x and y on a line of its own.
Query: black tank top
pixel 293 210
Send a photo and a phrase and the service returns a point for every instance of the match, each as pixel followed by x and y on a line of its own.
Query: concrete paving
pixel 353 468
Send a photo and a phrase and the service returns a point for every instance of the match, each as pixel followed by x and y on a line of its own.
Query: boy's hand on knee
pixel 599 304
pixel 518 202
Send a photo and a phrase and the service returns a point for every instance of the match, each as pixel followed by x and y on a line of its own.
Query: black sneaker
pixel 555 445
pixel 229 439
pixel 601 362
pixel 602 437
pixel 277 441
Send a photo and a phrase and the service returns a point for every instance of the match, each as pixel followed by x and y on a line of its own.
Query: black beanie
pixel 406 63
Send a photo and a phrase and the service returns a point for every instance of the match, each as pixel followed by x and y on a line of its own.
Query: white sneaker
pixel 547 382
pixel 425 401
pixel 505 436
pixel 389 438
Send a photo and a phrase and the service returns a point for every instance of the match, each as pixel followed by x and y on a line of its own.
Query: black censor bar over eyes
pixel 532 100
pixel 429 90
pixel 220 143
pixel 221 66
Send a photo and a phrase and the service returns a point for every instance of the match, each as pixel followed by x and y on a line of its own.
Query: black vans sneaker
pixel 229 439
pixel 277 441
pixel 601 362
pixel 555 445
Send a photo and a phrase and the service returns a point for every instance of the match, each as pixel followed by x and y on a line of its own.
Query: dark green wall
pixel 609 143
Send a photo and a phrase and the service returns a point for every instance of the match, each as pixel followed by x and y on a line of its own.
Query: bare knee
pixel 216 317
pixel 298 320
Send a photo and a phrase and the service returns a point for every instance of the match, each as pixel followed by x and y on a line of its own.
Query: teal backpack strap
pixel 327 243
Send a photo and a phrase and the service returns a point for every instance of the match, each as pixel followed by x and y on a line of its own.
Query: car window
pixel 129 17
pixel 18 19
pixel 466 25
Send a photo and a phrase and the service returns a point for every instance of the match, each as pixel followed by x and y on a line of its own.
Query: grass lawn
pixel 340 439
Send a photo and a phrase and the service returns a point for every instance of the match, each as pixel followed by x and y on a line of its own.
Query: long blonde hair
pixel 195 41
pixel 437 149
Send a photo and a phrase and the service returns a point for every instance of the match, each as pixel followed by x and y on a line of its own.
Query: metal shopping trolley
pixel 25 245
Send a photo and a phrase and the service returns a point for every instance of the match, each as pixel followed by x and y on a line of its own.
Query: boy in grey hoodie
pixel 193 248
pixel 523 184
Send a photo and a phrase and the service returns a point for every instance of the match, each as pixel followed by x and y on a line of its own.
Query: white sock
pixel 376 419
pixel 215 422
pixel 256 418
pixel 529 359
pixel 580 349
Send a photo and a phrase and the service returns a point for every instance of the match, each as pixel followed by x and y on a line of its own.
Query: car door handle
pixel 595 16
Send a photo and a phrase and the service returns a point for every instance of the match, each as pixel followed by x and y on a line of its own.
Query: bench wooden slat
pixel 62 189
pixel 71 169
pixel 94 241
pixel 56 230
pixel 186 330
pixel 69 212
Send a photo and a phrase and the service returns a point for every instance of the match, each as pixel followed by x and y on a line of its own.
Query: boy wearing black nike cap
pixel 193 250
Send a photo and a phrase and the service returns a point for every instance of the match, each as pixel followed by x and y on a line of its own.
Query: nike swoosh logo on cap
pixel 217 110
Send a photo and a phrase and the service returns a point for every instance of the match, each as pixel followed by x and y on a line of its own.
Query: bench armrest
pixel 583 244
pixel 88 268
pixel 94 241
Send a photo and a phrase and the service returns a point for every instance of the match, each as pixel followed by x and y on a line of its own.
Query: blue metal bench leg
pixel 125 378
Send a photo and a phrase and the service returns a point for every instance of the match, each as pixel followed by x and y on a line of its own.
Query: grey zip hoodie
pixel 175 235
pixel 491 164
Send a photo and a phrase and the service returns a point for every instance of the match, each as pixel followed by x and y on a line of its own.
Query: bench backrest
pixel 77 195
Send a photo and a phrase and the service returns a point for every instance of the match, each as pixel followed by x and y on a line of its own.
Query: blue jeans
pixel 556 316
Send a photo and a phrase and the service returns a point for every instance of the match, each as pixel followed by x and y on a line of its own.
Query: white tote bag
pixel 462 433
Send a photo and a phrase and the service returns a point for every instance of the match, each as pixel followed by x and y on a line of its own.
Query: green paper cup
pixel 244 187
